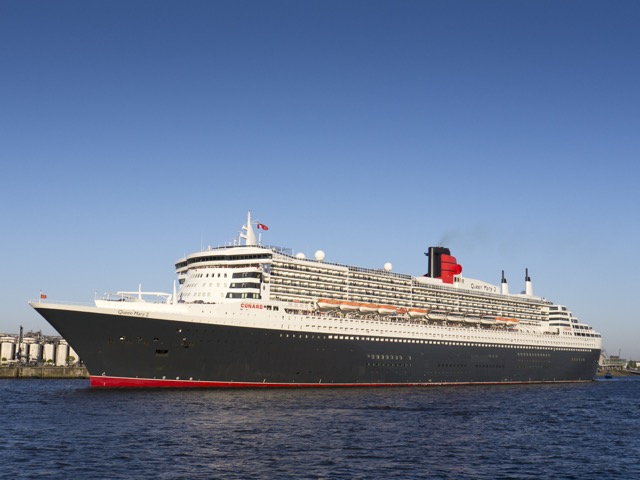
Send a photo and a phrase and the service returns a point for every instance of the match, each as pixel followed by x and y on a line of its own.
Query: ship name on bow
pixel 133 313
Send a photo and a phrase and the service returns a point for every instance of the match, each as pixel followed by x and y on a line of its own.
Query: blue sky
pixel 133 132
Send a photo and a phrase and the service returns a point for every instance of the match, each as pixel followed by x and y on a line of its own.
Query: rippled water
pixel 62 429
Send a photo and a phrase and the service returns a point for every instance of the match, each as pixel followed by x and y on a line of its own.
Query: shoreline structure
pixel 29 372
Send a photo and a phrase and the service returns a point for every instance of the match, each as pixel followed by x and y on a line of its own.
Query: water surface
pixel 63 429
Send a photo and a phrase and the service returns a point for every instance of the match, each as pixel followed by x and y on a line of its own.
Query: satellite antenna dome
pixel 319 255
pixel 388 267
pixel 300 256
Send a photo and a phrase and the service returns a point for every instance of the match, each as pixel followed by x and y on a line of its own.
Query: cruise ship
pixel 250 315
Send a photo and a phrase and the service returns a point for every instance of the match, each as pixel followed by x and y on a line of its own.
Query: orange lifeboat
pixel 386 309
pixel 369 307
pixel 417 312
pixel 328 304
pixel 349 306
pixel 507 321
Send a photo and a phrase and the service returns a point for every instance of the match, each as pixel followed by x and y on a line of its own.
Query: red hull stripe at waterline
pixel 122 382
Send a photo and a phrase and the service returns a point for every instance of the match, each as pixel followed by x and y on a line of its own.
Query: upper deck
pixel 268 273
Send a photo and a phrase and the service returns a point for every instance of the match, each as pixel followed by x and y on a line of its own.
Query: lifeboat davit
pixel 417 312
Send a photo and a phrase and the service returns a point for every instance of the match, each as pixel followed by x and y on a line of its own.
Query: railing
pixel 60 302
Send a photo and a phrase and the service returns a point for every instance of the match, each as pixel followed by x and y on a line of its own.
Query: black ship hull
pixel 129 351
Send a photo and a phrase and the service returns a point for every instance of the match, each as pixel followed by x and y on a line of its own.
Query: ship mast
pixel 249 236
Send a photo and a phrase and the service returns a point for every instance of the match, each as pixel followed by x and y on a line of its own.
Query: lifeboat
pixel 436 315
pixel 369 307
pixel 454 317
pixel 386 309
pixel 328 304
pixel 507 321
pixel 488 320
pixel 417 312
pixel 472 319
pixel 349 306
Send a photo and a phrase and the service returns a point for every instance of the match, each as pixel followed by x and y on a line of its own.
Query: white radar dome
pixel 319 255
pixel 300 256
pixel 388 267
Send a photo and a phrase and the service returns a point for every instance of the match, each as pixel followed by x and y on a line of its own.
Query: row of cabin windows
pixel 431 342
pixel 233 285
pixel 245 285
pixel 206 275
pixel 246 275
pixel 234 275
pixel 243 295
pixel 375 356
pixel 219 258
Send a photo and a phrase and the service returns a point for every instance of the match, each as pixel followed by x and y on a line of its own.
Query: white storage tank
pixel 72 353
pixel 25 347
pixel 49 353
pixel 35 351
pixel 7 349
pixel 62 352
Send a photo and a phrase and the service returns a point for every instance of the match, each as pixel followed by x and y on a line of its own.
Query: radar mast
pixel 249 236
